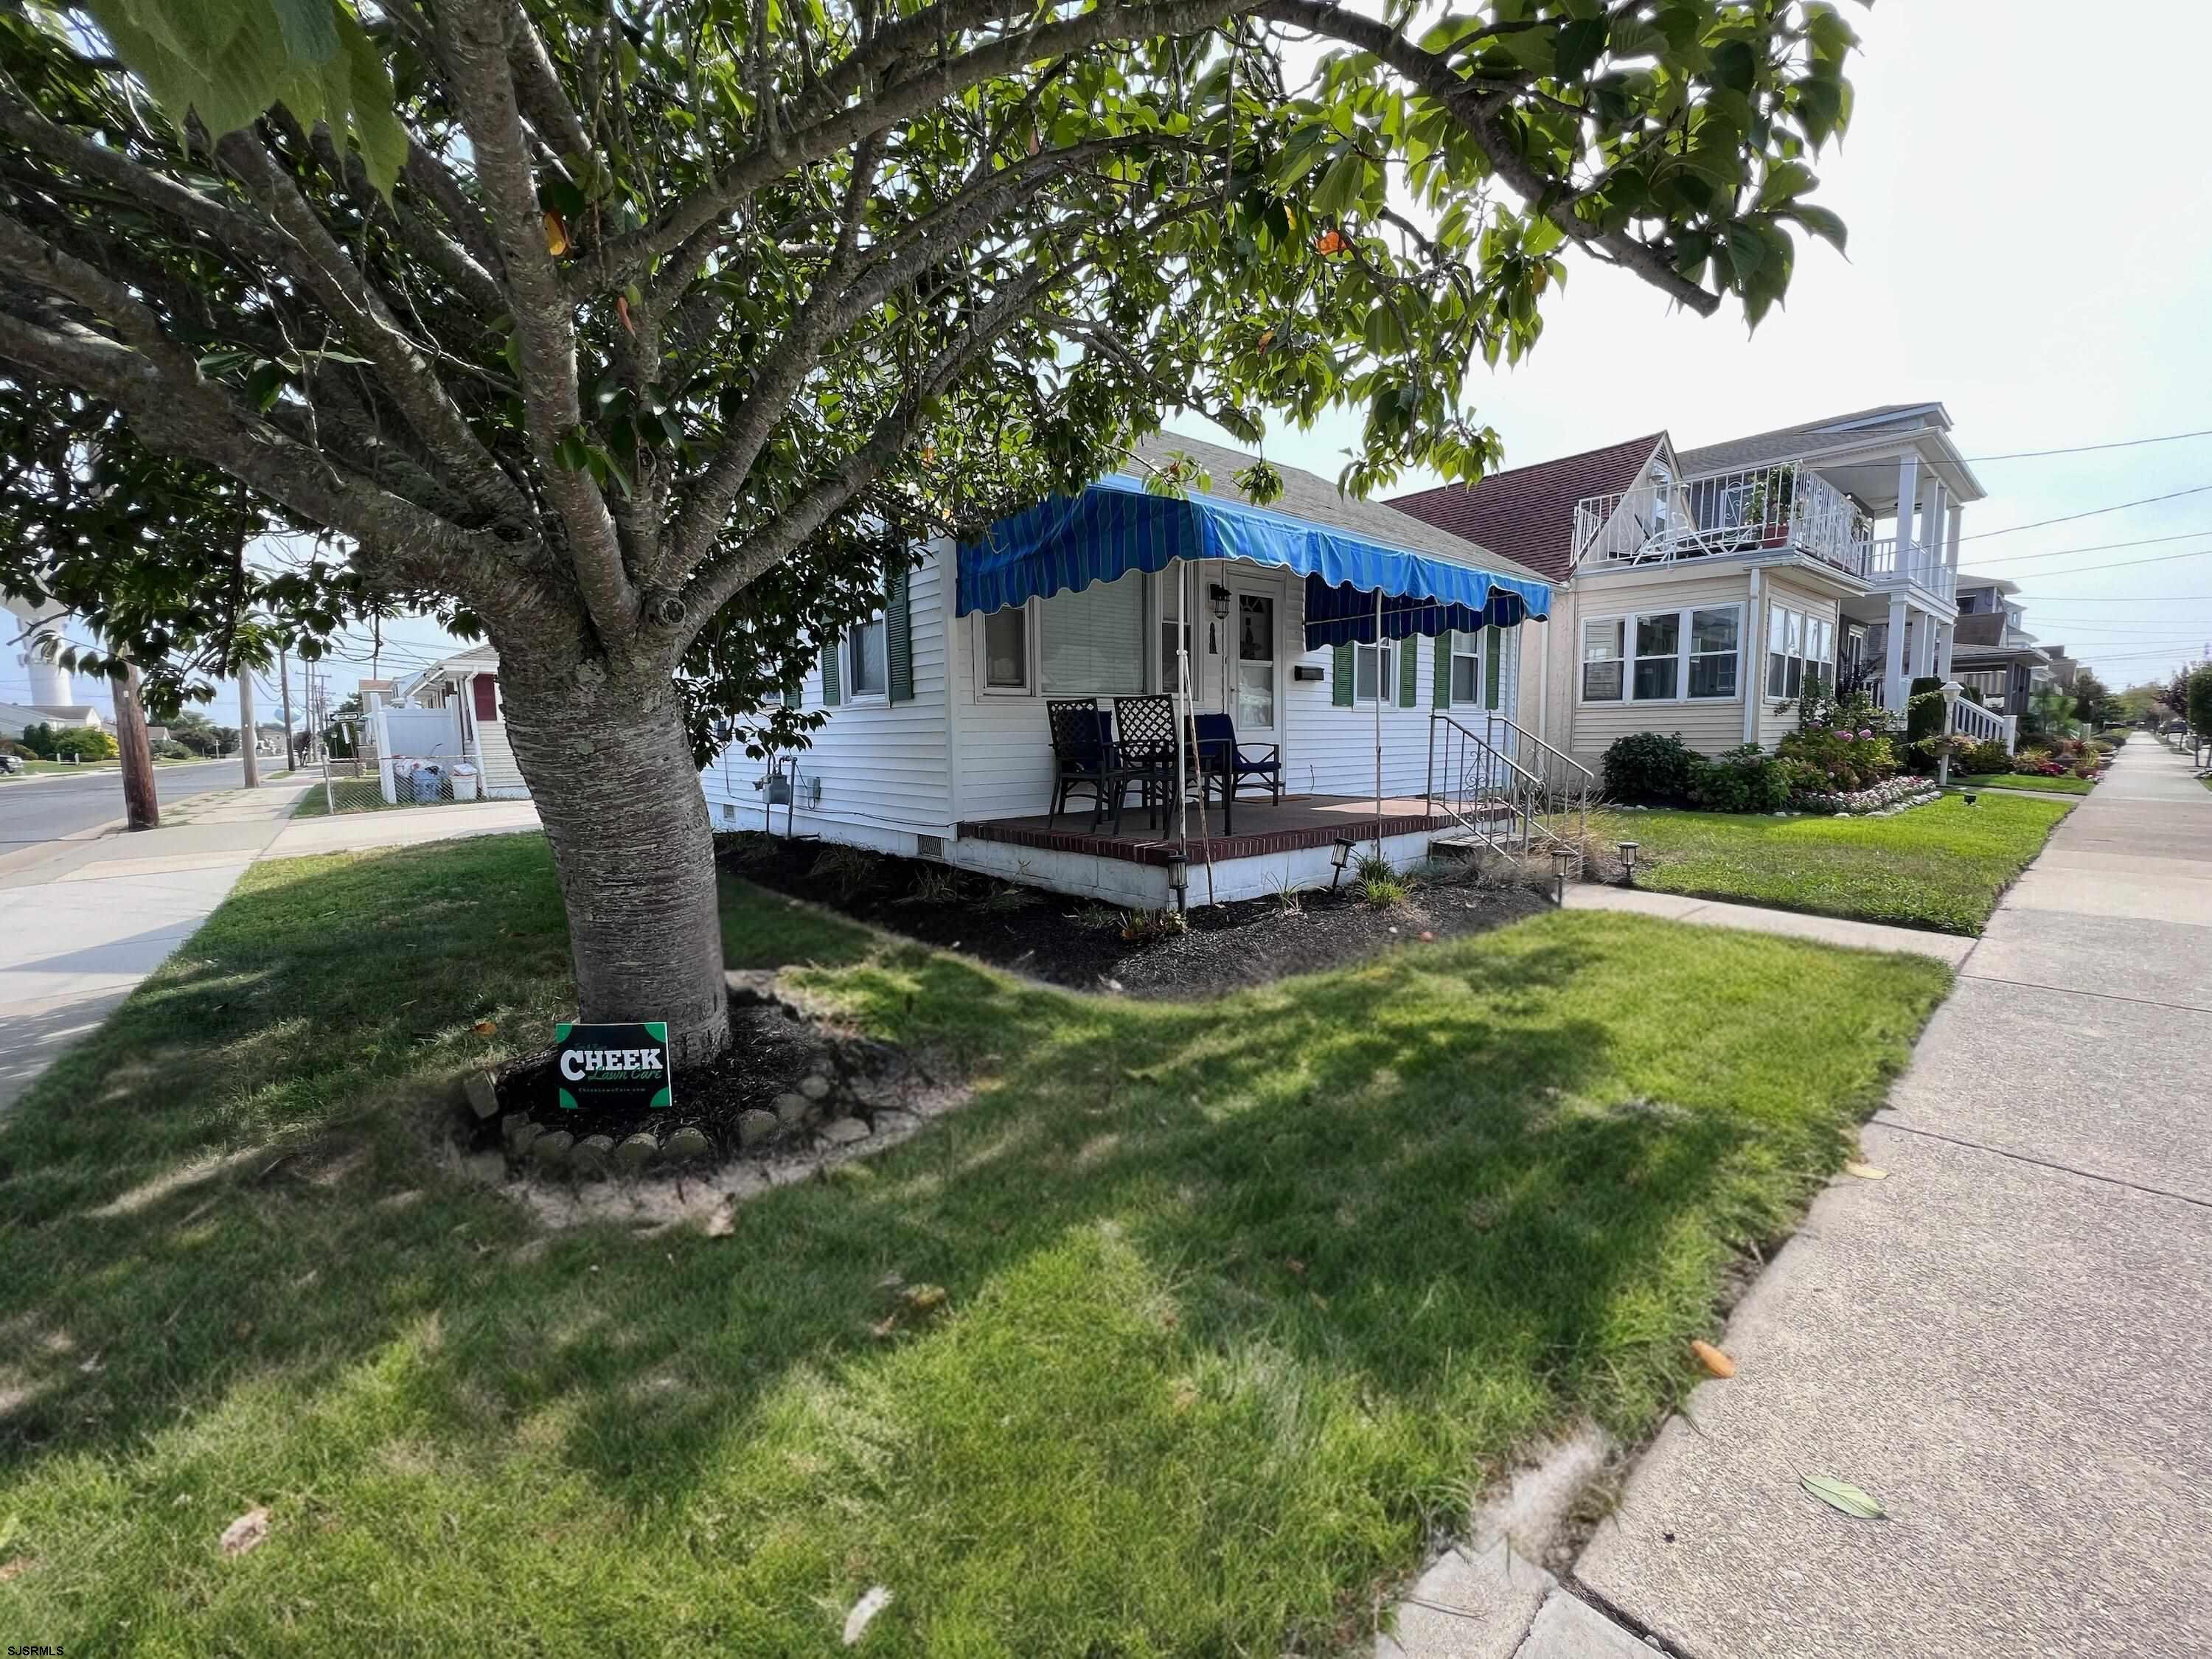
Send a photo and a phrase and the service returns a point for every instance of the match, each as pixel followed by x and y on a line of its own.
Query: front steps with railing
pixel 1506 790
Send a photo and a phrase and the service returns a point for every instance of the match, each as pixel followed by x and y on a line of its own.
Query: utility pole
pixel 247 738
pixel 142 805
pixel 284 684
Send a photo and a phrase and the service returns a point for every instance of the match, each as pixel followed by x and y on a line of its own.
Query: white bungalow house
pixel 1704 590
pixel 939 744
pixel 447 713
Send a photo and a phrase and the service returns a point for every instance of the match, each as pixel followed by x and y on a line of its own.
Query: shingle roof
pixel 1529 512
pixel 1787 439
pixel 1316 499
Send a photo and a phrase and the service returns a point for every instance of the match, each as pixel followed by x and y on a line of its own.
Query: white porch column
pixel 1893 680
pixel 1908 503
pixel 1930 541
pixel 1942 668
pixel 1924 644
pixel 1951 552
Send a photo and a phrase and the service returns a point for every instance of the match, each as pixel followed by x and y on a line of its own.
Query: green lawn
pixel 2025 781
pixel 1941 867
pixel 1242 1298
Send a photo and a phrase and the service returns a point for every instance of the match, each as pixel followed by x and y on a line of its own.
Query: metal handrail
pixel 1489 781
pixel 1577 794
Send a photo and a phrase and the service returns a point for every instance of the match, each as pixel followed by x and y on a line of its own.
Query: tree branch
pixel 1477 109
pixel 616 263
pixel 545 332
pixel 407 375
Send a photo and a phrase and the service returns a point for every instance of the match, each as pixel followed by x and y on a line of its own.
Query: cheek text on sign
pixel 612 1067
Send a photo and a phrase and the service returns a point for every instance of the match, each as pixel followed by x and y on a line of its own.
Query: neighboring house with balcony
pixel 1705 589
pixel 1992 652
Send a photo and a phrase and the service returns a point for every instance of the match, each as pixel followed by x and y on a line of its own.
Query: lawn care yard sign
pixel 621 1067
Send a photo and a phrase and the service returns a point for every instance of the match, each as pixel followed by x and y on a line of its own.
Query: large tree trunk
pixel 611 771
pixel 142 803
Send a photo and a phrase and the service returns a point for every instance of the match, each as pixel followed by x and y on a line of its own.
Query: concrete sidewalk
pixel 81 926
pixel 2007 1342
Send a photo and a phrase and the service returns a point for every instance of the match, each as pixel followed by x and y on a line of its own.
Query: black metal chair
pixel 1083 756
pixel 1226 765
pixel 1145 740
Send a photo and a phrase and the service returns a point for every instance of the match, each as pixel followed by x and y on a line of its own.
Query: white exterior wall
pixel 884 768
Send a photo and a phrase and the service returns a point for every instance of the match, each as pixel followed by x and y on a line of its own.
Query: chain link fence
pixel 374 783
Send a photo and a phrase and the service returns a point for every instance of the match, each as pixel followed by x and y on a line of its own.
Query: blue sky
pixel 2030 246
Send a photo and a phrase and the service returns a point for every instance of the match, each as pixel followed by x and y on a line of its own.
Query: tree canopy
pixel 644 335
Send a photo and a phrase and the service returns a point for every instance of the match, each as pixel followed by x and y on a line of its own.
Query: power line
pixel 2085 449
pixel 2099 547
pixel 2125 564
pixel 2068 518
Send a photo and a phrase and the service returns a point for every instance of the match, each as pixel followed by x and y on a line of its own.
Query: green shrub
pixel 1838 759
pixel 86 743
pixel 170 748
pixel 1741 779
pixel 1986 757
pixel 1646 767
pixel 1926 714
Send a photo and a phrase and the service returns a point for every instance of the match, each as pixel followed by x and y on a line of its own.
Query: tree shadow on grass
pixel 1440 1202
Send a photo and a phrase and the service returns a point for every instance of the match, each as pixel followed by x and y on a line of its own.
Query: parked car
pixel 10 764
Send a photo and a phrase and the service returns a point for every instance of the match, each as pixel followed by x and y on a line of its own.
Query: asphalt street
pixel 44 809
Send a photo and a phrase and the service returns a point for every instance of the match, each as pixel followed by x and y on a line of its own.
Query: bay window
pixel 1662 656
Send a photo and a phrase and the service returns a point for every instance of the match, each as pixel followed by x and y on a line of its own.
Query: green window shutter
pixel 1440 693
pixel 898 640
pixel 1493 652
pixel 1339 676
pixel 1408 672
pixel 829 673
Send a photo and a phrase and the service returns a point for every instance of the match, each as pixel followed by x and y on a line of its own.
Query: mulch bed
pixel 1090 946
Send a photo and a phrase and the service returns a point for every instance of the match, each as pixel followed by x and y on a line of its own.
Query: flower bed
pixel 1882 800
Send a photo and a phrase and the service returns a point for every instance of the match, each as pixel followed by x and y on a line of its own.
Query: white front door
pixel 1243 659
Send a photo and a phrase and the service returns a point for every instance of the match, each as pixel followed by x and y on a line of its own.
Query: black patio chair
pixel 1225 766
pixel 1083 756
pixel 1145 740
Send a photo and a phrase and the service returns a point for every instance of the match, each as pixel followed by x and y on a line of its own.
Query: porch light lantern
pixel 1339 854
pixel 1629 849
pixel 1951 689
pixel 1217 597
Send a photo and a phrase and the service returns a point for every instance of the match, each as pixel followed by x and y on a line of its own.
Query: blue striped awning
pixel 1065 544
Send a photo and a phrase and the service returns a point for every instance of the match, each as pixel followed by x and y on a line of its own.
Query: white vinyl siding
pixel 1584 727
pixel 885 767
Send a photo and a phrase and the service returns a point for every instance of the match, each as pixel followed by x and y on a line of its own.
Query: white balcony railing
pixel 1784 507
pixel 1924 567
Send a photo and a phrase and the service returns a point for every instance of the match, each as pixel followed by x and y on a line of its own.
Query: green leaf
pixel 309 27
pixel 1340 185
pixel 1823 223
pixel 1842 1495
pixel 1785 180
pixel 1582 43
pixel 1736 66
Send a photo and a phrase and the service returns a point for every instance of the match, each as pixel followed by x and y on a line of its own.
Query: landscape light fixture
pixel 1178 875
pixel 1561 858
pixel 1218 596
pixel 1339 852
pixel 1629 849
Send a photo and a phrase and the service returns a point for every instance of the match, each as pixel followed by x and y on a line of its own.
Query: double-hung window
pixel 1662 656
pixel 1658 657
pixel 1006 649
pixel 1370 671
pixel 1601 660
pixel 1466 686
pixel 867 651
pixel 1799 649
